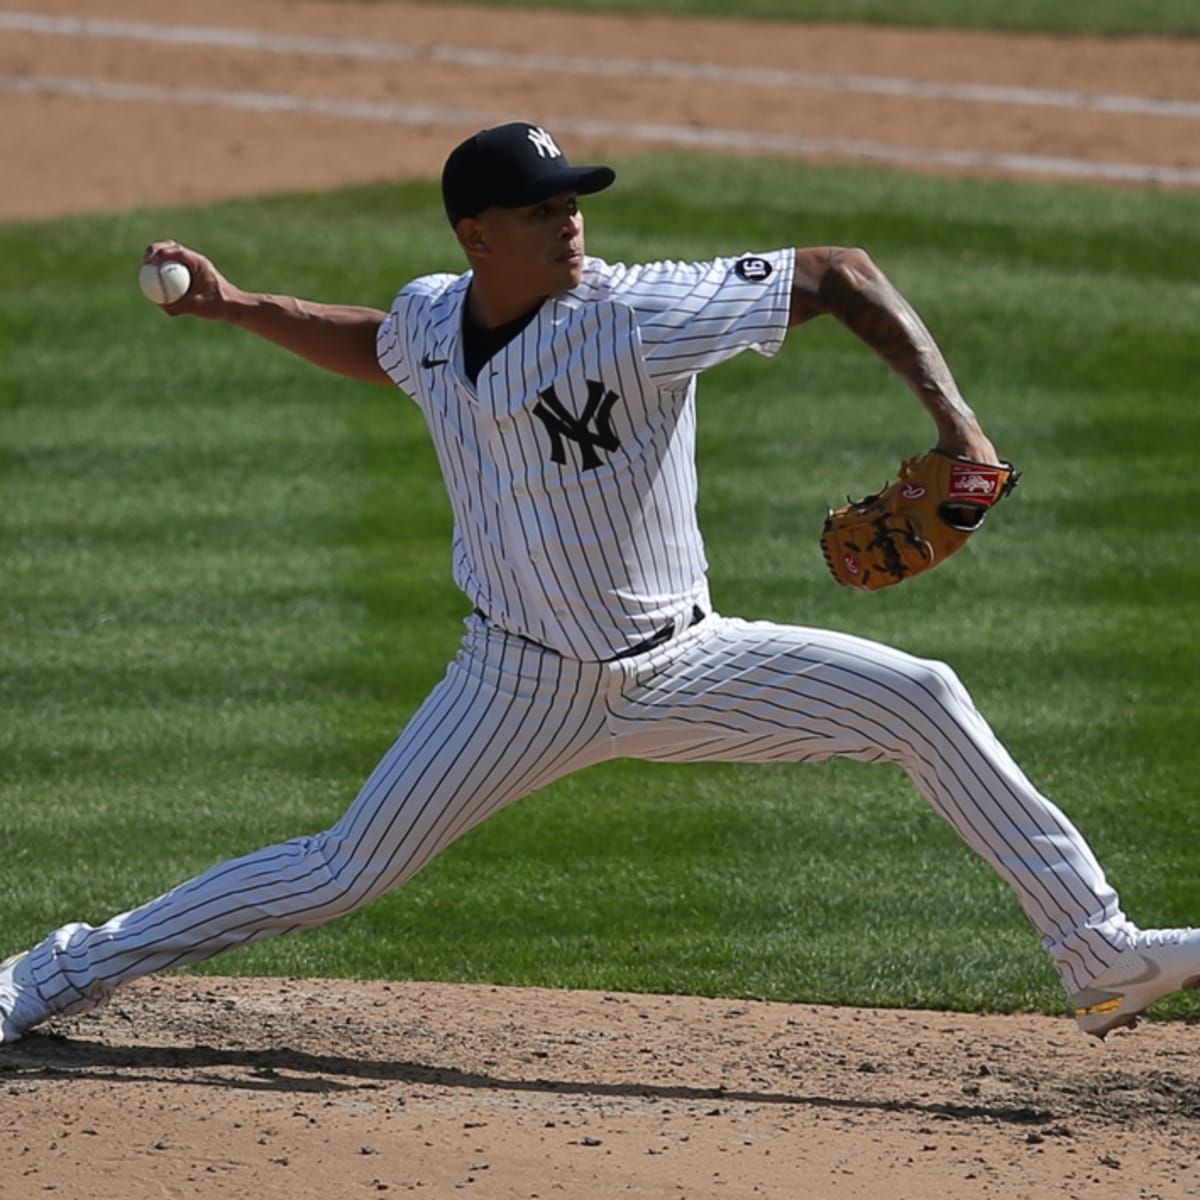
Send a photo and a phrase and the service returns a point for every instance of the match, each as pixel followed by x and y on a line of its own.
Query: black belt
pixel 665 634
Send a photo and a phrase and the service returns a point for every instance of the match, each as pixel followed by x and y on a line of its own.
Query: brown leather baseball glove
pixel 916 522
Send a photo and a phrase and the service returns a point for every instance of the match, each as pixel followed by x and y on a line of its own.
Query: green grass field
pixel 225 584
pixel 1160 18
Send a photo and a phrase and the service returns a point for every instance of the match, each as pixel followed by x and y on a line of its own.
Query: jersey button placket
pixel 519 520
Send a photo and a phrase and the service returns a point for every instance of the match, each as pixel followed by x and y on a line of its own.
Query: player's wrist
pixel 236 306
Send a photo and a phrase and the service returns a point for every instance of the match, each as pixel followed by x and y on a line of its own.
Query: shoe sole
pixel 1129 1020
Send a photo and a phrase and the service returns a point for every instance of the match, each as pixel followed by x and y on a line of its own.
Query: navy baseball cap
pixel 511 166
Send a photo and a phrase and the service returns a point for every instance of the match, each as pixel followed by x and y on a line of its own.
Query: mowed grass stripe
pixel 1161 18
pixel 226 587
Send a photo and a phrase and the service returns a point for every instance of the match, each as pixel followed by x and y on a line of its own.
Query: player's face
pixel 540 245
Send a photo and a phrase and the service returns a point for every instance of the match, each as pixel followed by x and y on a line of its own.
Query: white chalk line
pixel 655 68
pixel 659 134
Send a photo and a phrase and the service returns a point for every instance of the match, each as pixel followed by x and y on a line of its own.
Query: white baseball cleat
pixel 1159 962
pixel 21 1008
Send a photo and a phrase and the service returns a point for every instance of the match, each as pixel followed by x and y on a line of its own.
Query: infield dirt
pixel 323 1089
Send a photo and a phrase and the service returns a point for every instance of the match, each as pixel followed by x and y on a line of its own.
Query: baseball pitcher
pixel 560 394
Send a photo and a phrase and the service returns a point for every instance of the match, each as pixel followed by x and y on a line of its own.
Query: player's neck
pixel 490 311
pixel 490 306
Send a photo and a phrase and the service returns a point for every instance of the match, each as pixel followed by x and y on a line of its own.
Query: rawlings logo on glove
pixel 916 522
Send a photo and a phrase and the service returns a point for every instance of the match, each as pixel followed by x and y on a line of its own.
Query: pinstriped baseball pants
pixel 510 717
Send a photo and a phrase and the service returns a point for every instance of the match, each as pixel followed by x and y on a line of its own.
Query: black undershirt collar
pixel 480 343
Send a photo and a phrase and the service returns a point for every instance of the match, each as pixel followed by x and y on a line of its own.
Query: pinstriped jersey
pixel 570 462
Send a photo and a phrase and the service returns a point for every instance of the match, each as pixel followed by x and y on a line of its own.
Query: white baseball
pixel 164 283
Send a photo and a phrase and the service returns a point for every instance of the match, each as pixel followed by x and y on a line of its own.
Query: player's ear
pixel 472 237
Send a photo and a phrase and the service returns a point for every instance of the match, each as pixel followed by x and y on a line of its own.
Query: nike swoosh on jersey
pixel 429 363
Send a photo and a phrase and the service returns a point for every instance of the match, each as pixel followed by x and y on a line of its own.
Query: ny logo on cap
pixel 546 145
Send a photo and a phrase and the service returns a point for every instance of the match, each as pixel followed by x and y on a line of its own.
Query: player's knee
pixel 929 692
pixel 339 881
pixel 935 684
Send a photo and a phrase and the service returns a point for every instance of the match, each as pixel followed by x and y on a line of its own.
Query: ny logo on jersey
pixel 592 428
pixel 547 147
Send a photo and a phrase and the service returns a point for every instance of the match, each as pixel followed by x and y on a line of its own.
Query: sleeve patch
pixel 752 270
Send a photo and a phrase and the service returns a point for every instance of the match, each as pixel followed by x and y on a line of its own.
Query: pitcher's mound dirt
pixel 276 1089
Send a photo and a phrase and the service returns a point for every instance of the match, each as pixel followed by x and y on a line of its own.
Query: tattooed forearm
pixel 849 286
